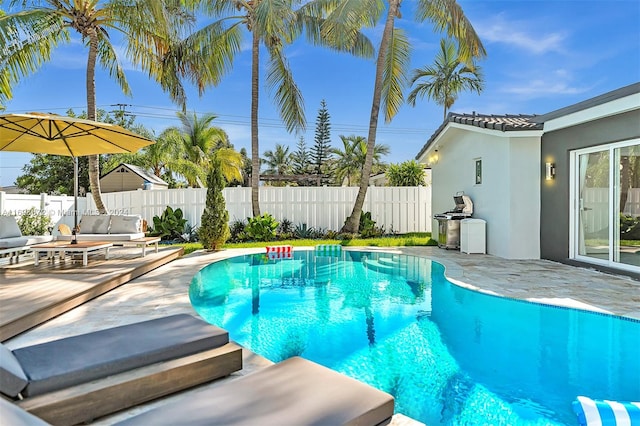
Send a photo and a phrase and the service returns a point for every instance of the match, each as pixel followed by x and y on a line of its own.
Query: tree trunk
pixel 255 152
pixel 353 221
pixel 94 161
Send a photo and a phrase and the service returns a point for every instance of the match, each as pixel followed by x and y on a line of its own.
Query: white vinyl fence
pixel 399 209
pixel 58 207
pixel 596 200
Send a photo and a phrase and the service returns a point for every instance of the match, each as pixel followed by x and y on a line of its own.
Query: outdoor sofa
pixel 293 392
pixel 79 378
pixel 107 227
pixel 12 242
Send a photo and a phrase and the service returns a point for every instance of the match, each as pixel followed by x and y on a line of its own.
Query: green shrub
pixel 190 234
pixel 285 229
pixel 237 232
pixel 214 230
pixel 170 225
pixel 368 226
pixel 629 227
pixel 409 173
pixel 34 222
pixel 262 228
pixel 303 232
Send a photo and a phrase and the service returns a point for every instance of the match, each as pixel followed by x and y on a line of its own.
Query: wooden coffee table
pixel 141 242
pixel 64 247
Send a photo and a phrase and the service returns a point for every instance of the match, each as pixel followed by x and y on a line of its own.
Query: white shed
pixel 127 177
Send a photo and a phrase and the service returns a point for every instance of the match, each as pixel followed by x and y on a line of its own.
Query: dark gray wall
pixel 554 195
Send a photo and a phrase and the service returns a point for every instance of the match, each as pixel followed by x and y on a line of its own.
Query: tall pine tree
pixel 300 158
pixel 214 227
pixel 320 152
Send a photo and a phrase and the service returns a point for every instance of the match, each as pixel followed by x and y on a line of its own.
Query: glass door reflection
pixel 593 217
pixel 626 247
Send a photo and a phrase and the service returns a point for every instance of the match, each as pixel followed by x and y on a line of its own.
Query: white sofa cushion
pixel 97 224
pixel 37 239
pixel 9 227
pixel 13 242
pixel 121 224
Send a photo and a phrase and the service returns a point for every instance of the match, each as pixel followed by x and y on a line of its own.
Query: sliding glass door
pixel 606 216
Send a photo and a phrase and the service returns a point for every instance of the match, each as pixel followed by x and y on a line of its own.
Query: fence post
pixel 43 202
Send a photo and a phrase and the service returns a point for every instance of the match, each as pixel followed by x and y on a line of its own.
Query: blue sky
pixel 542 56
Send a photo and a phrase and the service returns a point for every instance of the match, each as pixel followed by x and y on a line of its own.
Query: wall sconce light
pixel 434 157
pixel 549 171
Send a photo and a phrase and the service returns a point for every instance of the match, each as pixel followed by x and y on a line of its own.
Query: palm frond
pixel 395 70
pixel 28 39
pixel 287 95
pixel 109 61
pixel 342 24
pixel 447 15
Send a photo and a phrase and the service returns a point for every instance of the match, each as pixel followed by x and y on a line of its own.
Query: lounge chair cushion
pixel 12 377
pixel 102 237
pixel 97 224
pixel 25 240
pixel 12 415
pixel 11 242
pixel 9 227
pixel 125 224
pixel 79 359
pixel 292 392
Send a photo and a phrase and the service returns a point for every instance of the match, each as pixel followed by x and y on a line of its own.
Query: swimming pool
pixel 449 355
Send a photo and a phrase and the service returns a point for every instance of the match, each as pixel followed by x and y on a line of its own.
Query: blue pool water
pixel 449 355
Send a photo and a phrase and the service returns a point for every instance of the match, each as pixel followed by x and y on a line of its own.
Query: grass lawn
pixel 411 239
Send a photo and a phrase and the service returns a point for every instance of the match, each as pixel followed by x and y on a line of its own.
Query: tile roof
pixel 503 123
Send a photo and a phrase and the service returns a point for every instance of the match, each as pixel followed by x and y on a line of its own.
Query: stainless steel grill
pixel 449 222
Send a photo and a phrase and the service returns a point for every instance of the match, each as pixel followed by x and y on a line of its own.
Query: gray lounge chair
pixel 292 392
pixel 79 378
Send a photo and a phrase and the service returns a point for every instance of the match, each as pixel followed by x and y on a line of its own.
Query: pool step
pixel 395 265
pixel 393 261
pixel 376 265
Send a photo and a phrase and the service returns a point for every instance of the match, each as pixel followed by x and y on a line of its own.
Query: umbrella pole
pixel 75 201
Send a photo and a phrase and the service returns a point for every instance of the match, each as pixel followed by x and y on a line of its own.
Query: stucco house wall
pixel 555 198
pixel 508 197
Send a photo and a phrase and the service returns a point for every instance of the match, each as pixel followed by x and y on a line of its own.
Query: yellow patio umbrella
pixel 40 133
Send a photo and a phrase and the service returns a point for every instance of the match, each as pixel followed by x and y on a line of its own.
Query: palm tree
pixel 279 161
pixel 446 78
pixel 350 161
pixel 272 24
pixel 199 142
pixel 32 33
pixel 393 60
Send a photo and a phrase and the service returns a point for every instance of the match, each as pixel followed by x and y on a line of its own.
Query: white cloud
pixel 545 87
pixel 519 34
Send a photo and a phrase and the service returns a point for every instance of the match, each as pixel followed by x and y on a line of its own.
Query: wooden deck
pixel 31 295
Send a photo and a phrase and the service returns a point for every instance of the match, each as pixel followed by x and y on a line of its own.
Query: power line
pixel 272 122
pixel 164 113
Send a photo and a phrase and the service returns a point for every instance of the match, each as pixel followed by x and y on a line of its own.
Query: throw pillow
pixel 95 224
pixel 9 227
pixel 125 224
